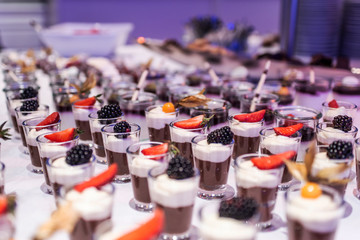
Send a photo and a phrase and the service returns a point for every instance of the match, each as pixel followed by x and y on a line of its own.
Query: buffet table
pixel 35 207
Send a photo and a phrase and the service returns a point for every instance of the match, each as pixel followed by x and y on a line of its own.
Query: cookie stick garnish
pixel 257 91
pixel 212 72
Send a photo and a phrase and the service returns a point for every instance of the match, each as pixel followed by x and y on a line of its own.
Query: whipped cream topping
pixel 330 113
pixel 92 204
pixel 14 104
pixel 174 193
pixel 213 152
pixel 214 227
pixel 95 125
pixel 82 114
pixel 140 166
pixel 330 134
pixel 33 134
pixel 279 144
pixel 180 135
pixel 49 150
pixel 321 214
pixel 245 129
pixel 23 117
pixel 119 145
pixel 158 119
pixel 322 161
pixel 248 176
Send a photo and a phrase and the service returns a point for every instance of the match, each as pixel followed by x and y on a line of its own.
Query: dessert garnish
pixel 3 205
pixel 51 119
pixel 342 122
pixel 156 150
pixel 284 91
pixel 88 101
pixel 239 208
pixel 79 154
pixel 273 161
pixel 193 123
pixel 196 100
pixel 289 130
pixel 110 111
pixel 222 135
pixel 168 107
pixel 251 117
pixel 83 88
pixel 122 127
pixel 340 150
pixel 31 105
pixel 28 92
pixel 63 136
pixel 180 168
pixel 333 104
pixel 4 133
pixel 311 190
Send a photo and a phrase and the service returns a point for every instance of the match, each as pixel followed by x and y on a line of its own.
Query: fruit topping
pixel 4 133
pixel 122 127
pixel 333 104
pixel 3 205
pixel 239 208
pixel 193 123
pixel 168 107
pixel 109 111
pixel 28 92
pixel 222 135
pixel 31 105
pixel 343 123
pixel 251 117
pixel 180 168
pixel 340 150
pixel 311 190
pixel 99 180
pixel 156 150
pixel 79 154
pixel 289 130
pixel 51 119
pixel 62 136
pixel 88 101
pixel 273 161
pixel 307 133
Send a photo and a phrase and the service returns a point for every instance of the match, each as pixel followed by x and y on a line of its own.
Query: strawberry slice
pixel 51 119
pixel 148 230
pixel 333 104
pixel 289 130
pixel 272 162
pixel 156 150
pixel 3 205
pixel 99 180
pixel 62 136
pixel 291 115
pixel 192 123
pixel 251 117
pixel 88 101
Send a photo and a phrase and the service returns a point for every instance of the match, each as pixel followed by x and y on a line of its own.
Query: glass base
pixel 141 207
pixel 356 193
pixel 24 150
pixel 348 209
pixel 122 179
pixel 192 234
pixel 101 160
pixel 273 224
pixel 33 169
pixel 226 192
pixel 46 189
pixel 286 185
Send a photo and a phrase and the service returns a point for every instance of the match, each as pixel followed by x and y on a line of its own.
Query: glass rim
pixel 242 157
pixel 274 97
pixel 40 126
pixel 64 188
pixel 357 142
pixel 353 130
pixel 93 118
pixel 138 144
pixel 262 133
pixel 80 166
pixel 149 108
pixel 352 105
pixel 214 146
pixel 9 98
pixel 152 97
pixel 317 114
pixel 41 107
pixel 346 160
pixel 2 166
pixel 163 169
pixel 185 129
pixel 138 128
pixel 226 104
pixel 95 106
pixel 38 140
pixel 20 86
pixel 233 120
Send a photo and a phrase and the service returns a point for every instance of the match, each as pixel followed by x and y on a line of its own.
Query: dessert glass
pixel 2 178
pixel 49 149
pixel 286 116
pixel 357 163
pixel 345 108
pixel 32 132
pixel 158 123
pixel 139 166
pixel 272 144
pixel 176 197
pixel 269 102
pixel 326 134
pixel 115 148
pixel 233 90
pixel 96 124
pixel 81 116
pixel 313 219
pixel 113 92
pixel 261 185
pixel 179 92
pixel 213 163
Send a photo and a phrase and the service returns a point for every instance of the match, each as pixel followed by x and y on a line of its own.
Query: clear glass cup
pixel 176 200
pixel 307 221
pixel 262 185
pixel 2 178
pixel 49 149
pixel 7 226
pixel 176 93
pixel 326 134
pixel 96 124
pixel 21 116
pixel 81 116
pixel 345 108
pixel 181 138
pixel 286 116
pixel 158 122
pixel 357 165
pixel 32 131
pixel 213 163
pixel 269 102
pixel 246 136
pixel 113 93
pixel 233 90
pixel 62 174
pixel 139 166
pixel 346 88
pixel 115 148
pixel 272 144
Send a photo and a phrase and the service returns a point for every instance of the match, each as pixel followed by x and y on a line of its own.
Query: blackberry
pixel 28 92
pixel 342 122
pixel 239 208
pixel 109 111
pixel 122 127
pixel 222 135
pixel 307 133
pixel 79 154
pixel 180 168
pixel 31 105
pixel 340 150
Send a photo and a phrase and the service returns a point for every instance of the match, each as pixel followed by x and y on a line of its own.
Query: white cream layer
pixel 158 119
pixel 279 144
pixel 213 152
pixel 119 145
pixel 329 135
pixel 140 166
pixel 50 151
pixel 33 134
pixel 322 161
pixel 180 135
pixel 330 113
pixel 245 129
pixel 82 114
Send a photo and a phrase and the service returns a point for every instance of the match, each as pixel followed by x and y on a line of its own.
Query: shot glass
pixel 272 144
pixel 115 148
pixel 112 93
pixel 177 93
pixel 139 166
pixel 326 134
pixel 345 108
pixel 233 90
pixel 213 162
pixel 2 178
pixel 261 185
pixel 81 116
pixel 357 163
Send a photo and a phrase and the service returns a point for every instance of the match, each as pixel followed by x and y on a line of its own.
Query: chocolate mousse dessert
pixel 232 91
pixel 357 164
pixel 2 180
pixel 335 108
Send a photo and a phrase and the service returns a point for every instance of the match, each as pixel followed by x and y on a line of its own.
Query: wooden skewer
pixel 140 85
pixel 212 72
pixel 312 76
pixel 257 91
pixel 11 73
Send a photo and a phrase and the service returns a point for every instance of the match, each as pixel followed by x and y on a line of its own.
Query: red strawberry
pixel 273 161
pixel 192 123
pixel 291 115
pixel 52 118
pixel 251 117
pixel 289 130
pixel 333 104
pixel 99 180
pixel 88 101
pixel 62 136
pixel 3 205
pixel 156 150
